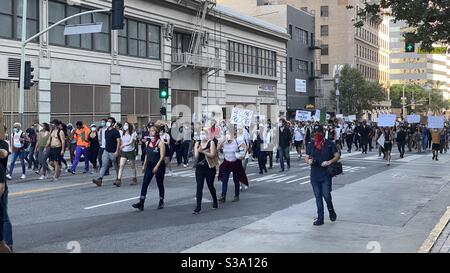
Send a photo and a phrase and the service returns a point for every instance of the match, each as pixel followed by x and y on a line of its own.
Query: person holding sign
pixel 388 138
pixel 436 142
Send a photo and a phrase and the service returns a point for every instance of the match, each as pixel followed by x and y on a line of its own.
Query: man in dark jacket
pixel 401 141
pixel 284 143
pixel 364 131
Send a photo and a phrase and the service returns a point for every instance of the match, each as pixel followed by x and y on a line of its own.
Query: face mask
pixel 93 129
pixel 40 128
pixel 202 137
pixel 125 127
pixel 16 130
pixel 103 124
pixel 108 124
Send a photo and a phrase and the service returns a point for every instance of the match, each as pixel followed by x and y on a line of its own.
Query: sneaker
pixel 70 171
pixel 118 183
pixel 134 182
pixel 333 215
pixel 161 204
pixel 235 199
pixel 196 211
pixel 185 165
pixel 215 205
pixel 42 177
pixel 23 176
pixel 318 222
pixel 36 172
pixel 8 177
pixel 97 182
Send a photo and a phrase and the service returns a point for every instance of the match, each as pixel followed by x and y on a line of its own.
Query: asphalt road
pixel 75 215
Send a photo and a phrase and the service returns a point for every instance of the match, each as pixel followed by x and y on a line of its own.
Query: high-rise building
pixel 365 48
pixel 418 67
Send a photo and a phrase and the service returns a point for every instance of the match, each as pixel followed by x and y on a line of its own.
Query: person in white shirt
pixel 127 152
pixel 18 141
pixel 299 137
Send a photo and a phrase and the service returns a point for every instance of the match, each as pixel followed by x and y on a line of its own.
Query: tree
pixel 421 97
pixel 429 18
pixel 357 94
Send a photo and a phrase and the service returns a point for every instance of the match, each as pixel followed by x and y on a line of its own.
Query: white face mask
pixel 93 129
pixel 280 124
pixel 40 128
pixel 108 124
pixel 202 136
pixel 125 127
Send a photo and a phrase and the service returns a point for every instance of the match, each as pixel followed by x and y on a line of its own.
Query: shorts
pixel 387 146
pixel 128 155
pixel 436 147
pixel 54 154
pixel 298 144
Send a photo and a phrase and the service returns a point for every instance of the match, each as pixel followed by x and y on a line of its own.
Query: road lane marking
pixel 111 203
pixel 298 179
pixel 306 182
pixel 21 193
pixel 278 180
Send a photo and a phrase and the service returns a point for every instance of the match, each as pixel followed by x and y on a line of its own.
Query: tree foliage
pixel 357 94
pixel 429 18
pixel 421 97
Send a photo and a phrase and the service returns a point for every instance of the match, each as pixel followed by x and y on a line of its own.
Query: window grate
pixel 13 68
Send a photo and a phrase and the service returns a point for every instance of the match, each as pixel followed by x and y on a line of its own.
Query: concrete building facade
pixel 87 77
pixel 303 53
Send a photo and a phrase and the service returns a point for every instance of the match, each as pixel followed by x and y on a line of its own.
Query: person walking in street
pixel 41 152
pixel 320 154
pixel 205 153
pixel 388 139
pixel 165 137
pixel 436 142
pixel 81 135
pixel 111 152
pixel 144 138
pixel 19 143
pixel 186 143
pixel 57 145
pixel 231 164
pixel 424 138
pixel 127 153
pixel 102 141
pixel 357 136
pixel 299 137
pixel 154 165
pixel 31 157
pixel 284 142
pixel 349 137
pixel 418 139
pixel 401 141
pixel 72 142
pixel 364 136
pixel 94 147
pixel 6 235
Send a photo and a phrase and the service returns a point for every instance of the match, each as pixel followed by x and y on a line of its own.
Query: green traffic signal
pixel 163 94
pixel 163 88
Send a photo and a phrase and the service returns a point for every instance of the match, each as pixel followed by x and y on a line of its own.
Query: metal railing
pixel 195 60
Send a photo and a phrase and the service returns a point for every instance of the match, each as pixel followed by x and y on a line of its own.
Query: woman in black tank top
pixel 154 165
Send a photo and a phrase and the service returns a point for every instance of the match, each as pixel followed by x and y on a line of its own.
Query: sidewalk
pixel 392 211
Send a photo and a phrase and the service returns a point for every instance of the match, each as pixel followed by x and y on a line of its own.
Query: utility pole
pixel 22 63
pixel 404 104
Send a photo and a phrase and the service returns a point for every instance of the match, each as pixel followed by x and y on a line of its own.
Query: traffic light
pixel 409 47
pixel 163 88
pixel 117 10
pixel 163 111
pixel 28 76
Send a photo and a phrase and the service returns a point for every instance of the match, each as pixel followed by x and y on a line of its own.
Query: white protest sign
pixel 301 115
pixel 317 115
pixel 260 118
pixel 436 122
pixel 413 118
pixel 386 120
pixel 346 119
pixel 352 117
pixel 328 116
pixel 381 140
pixel 339 116
pixel 241 116
pixel 300 85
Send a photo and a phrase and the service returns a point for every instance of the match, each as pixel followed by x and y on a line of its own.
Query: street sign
pixel 83 28
pixel 409 47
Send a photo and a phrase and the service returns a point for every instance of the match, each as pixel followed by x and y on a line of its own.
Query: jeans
pixel 107 159
pixel 284 153
pixel 225 178
pixel 424 143
pixel 32 162
pixel 202 174
pixel 185 150
pixel 7 227
pixel 80 150
pixel 322 190
pixel 349 140
pixel 148 178
pixel 370 144
pixel 401 147
pixel 72 147
pixel 262 161
pixel 15 155
pixel 42 158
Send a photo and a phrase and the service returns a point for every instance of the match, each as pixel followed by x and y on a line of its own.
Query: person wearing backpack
pixel 19 142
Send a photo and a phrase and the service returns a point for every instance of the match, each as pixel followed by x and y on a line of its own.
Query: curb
pixel 428 244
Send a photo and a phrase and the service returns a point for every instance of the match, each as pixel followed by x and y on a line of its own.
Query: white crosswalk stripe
pixel 298 179
pixel 281 179
pixel 306 182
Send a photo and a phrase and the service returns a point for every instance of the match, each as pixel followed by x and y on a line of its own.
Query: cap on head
pixel 17 125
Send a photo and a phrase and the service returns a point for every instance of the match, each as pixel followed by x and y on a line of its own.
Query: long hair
pixel 130 128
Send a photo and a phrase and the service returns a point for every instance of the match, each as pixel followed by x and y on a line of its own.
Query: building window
pixel 324 49
pixel 290 64
pixel 324 30
pixel 181 41
pixel 290 30
pixel 251 60
pixel 92 41
pixel 11 18
pixel 139 39
pixel 323 11
pixel 301 35
pixel 324 69
pixel 301 67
